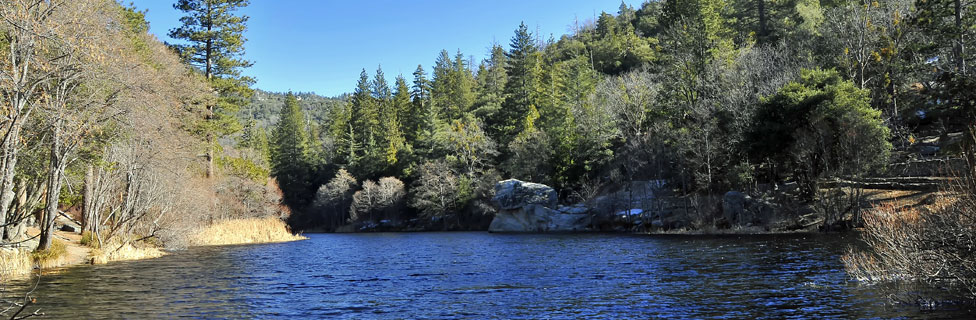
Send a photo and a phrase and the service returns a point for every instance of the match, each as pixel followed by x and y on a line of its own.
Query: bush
pixel 818 127
pixel 88 239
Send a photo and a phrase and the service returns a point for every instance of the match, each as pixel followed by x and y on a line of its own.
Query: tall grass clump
pixel 118 250
pixel 14 263
pixel 245 231
pixel 52 257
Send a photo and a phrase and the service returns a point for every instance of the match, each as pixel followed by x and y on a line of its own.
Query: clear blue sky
pixel 321 45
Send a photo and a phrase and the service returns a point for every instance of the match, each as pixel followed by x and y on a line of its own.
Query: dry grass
pixel 244 231
pixel 931 244
pixel 15 264
pixel 53 257
pixel 117 251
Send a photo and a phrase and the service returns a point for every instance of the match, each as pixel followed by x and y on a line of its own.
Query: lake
pixel 481 275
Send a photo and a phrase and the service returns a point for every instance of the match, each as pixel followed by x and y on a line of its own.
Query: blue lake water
pixel 480 275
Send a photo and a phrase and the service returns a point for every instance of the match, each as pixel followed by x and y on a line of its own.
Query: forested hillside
pixel 707 95
pixel 105 126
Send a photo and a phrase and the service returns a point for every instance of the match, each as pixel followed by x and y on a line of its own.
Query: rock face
pixel 513 194
pixel 531 207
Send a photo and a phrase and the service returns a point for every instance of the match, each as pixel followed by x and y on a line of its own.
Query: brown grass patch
pixel 15 263
pixel 244 231
pixel 52 257
pixel 119 251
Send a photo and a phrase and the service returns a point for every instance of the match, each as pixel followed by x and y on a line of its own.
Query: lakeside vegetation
pixel 150 146
pixel 109 136
pixel 707 96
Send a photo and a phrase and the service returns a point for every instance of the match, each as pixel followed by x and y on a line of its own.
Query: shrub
pixel 933 245
pixel 88 239
pixel 819 126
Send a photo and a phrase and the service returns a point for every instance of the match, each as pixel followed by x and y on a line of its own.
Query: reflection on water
pixel 480 275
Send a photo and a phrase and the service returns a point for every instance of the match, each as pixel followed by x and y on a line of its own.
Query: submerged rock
pixel 530 207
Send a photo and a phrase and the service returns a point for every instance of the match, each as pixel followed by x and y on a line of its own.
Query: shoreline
pixel 78 254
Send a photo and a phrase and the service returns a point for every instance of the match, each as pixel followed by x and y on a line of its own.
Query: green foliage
pixel 289 153
pixel 89 239
pixel 522 68
pixel 214 36
pixel 821 125
pixel 696 92
pixel 244 168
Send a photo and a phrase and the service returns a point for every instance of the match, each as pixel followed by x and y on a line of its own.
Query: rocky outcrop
pixel 532 207
pixel 513 194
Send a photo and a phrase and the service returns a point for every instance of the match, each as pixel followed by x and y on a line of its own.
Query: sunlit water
pixel 481 275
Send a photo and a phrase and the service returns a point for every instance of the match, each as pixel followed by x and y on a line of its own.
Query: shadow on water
pixel 480 275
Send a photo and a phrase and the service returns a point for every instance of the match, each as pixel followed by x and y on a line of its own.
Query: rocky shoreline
pixel 640 207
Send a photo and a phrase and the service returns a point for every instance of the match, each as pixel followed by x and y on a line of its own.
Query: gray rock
pixel 538 218
pixel 514 194
pixel 575 209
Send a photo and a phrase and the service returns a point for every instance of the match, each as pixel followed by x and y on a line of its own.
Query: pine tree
pixel 491 81
pixel 462 88
pixel 289 152
pixel 256 138
pixel 419 123
pixel 396 143
pixel 365 129
pixel 522 79
pixel 440 84
pixel 215 44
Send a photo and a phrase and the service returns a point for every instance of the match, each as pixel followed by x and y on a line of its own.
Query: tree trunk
pixel 53 192
pixel 761 8
pixel 210 155
pixel 88 201
pixel 10 149
pixel 960 48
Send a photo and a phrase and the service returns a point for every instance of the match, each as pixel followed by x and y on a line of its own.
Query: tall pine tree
pixel 522 80
pixel 214 35
pixel 289 153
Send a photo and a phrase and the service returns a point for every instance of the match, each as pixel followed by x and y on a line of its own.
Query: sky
pixel 322 45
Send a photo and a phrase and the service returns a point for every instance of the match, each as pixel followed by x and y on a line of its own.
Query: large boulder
pixel 532 207
pixel 513 194
pixel 537 218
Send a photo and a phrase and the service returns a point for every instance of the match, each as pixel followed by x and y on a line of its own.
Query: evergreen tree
pixel 256 138
pixel 491 82
pixel 365 129
pixel 419 123
pixel 289 153
pixel 462 94
pixel 522 79
pixel 215 44
pixel 441 83
pixel 400 107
